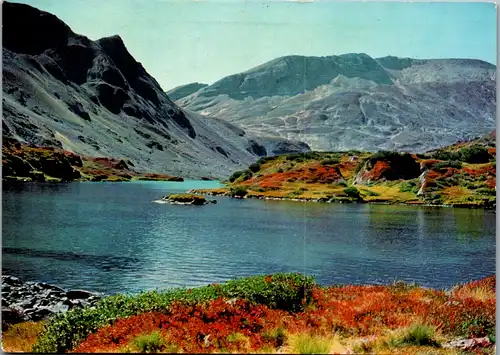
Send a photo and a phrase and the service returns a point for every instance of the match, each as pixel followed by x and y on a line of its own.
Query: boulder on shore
pixel 35 301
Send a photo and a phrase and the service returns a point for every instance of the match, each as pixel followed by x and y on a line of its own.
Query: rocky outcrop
pixel 388 166
pixel 29 163
pixel 469 344
pixel 422 183
pixel 34 301
pixel 185 199
pixel 36 163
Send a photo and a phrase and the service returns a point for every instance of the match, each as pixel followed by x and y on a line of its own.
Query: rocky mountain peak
pixel 28 30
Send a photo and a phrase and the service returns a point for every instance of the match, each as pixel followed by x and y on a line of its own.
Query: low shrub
pixel 448 164
pixel 297 192
pixel 254 167
pixel 370 193
pixel 360 165
pixel 264 160
pixel 475 154
pixel 435 198
pixel 11 316
pixel 332 161
pixel 247 174
pixel 444 155
pixel 354 152
pixel 289 292
pixel 187 198
pixel 300 157
pixel 235 175
pixel 409 186
pixel 238 191
pixel 486 191
pixel 351 191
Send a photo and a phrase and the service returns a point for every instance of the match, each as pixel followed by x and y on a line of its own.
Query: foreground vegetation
pixel 24 163
pixel 274 313
pixel 462 175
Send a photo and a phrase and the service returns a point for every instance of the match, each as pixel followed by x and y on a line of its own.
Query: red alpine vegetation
pixel 350 311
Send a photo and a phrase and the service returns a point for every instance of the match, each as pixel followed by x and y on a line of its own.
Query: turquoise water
pixel 110 237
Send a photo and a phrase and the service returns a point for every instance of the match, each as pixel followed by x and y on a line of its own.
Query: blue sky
pixel 182 41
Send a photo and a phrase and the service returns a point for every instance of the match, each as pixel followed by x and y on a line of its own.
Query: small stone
pixel 206 341
pixel 59 307
pixel 11 280
pixel 44 302
pixel 27 303
pixel 68 303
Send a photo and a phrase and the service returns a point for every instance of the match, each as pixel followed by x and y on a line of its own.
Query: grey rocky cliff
pixel 93 98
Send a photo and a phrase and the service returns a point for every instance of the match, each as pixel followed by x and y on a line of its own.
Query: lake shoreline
pixel 25 299
pixel 218 192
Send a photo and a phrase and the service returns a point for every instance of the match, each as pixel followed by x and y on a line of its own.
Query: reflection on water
pixel 111 238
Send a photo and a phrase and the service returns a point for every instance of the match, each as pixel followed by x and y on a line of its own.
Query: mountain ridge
pixel 379 103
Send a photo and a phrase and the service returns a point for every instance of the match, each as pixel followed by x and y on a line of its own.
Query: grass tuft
pixel 151 343
pixel 417 334
pixel 310 344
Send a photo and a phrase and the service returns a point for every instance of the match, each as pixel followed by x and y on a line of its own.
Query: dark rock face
pixel 29 301
pixel 388 166
pixel 78 109
pixel 133 72
pixel 111 97
pixel 27 30
pixel 59 168
pixel 257 148
pixel 15 166
pixel 402 166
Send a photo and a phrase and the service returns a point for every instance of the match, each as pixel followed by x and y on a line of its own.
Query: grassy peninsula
pixel 461 175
